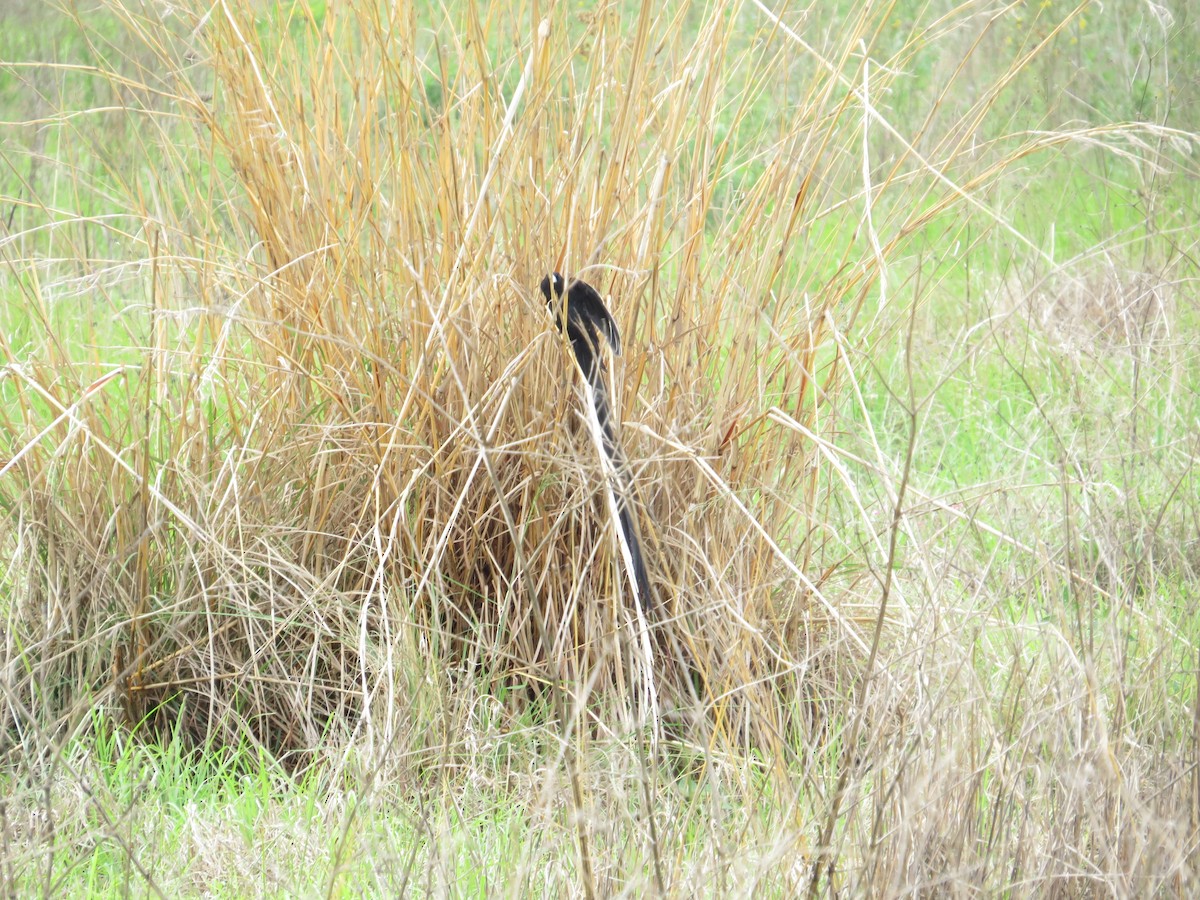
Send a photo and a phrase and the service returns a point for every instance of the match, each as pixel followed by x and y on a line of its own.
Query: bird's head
pixel 553 286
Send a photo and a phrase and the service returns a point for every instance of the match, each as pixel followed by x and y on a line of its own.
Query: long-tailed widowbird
pixel 586 318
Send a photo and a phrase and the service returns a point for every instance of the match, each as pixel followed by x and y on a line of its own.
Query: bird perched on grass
pixel 585 318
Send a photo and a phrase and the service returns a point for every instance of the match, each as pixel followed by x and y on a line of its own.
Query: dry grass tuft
pixel 350 433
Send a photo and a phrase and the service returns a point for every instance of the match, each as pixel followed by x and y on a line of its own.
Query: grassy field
pixel 308 585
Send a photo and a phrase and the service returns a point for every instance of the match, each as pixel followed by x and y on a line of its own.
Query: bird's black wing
pixel 586 319
pixel 585 310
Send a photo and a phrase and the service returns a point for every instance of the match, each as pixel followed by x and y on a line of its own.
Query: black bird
pixel 587 318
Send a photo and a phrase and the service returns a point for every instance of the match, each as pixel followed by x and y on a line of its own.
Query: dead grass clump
pixel 349 443
pixel 1105 308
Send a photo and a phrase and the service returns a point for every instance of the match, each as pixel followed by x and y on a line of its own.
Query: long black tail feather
pixel 586 319
pixel 624 513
